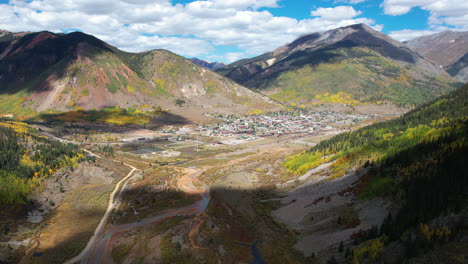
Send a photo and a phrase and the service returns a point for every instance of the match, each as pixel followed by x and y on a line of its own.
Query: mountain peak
pixel 4 32
pixel 358 26
pixel 210 65
pixel 355 59
pixel 350 36
pixel 443 48
pixel 66 71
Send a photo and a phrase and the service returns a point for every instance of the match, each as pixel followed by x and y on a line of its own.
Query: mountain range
pixel 44 71
pixel 389 192
pixel 448 49
pixel 352 64
pixel 210 65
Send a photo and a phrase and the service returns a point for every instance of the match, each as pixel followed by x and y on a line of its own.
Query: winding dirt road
pixel 186 184
pixel 95 248
pixel 113 203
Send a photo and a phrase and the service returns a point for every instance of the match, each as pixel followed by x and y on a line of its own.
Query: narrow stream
pixel 257 257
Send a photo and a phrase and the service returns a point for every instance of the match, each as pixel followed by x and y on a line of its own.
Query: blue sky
pixel 227 30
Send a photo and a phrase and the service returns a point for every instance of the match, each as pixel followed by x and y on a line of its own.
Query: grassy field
pixel 65 232
pixel 69 228
pixel 109 115
pixel 154 193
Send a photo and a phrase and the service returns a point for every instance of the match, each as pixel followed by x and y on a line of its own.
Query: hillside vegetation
pixel 26 158
pixel 356 62
pixel 359 72
pixel 108 115
pixel 418 161
pixel 66 72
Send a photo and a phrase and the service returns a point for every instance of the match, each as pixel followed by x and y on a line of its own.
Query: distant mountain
pixel 45 71
pixel 443 48
pixel 210 65
pixel 4 32
pixel 459 69
pixel 448 49
pixel 8 36
pixel 349 64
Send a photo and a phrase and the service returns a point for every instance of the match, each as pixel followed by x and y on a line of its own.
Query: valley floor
pixel 191 198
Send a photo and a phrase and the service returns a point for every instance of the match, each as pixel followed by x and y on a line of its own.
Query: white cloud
pixel 193 29
pixel 336 13
pixel 242 4
pixel 407 34
pixel 235 56
pixel 349 1
pixel 442 12
pixel 174 44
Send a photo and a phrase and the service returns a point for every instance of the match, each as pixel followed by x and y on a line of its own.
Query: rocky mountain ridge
pixel 210 65
pixel 366 65
pixel 61 72
pixel 448 49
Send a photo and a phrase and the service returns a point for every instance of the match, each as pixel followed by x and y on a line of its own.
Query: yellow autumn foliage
pixel 434 233
pixel 255 112
pixel 340 97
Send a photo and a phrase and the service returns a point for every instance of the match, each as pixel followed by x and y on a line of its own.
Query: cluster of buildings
pixel 281 123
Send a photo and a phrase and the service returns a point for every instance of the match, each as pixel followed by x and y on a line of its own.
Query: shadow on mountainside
pixel 246 232
pixel 221 224
pixel 32 62
pixel 293 62
pixel 235 217
pixel 328 54
pixel 109 120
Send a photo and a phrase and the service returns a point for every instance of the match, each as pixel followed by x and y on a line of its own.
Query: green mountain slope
pixel 45 71
pixel 352 64
pixel 26 159
pixel 418 162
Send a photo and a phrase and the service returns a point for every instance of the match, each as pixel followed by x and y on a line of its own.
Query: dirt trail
pixel 113 203
pixel 188 184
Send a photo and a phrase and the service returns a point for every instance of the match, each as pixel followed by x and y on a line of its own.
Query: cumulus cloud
pixel 336 13
pixel 407 34
pixel 442 12
pixel 242 4
pixel 349 1
pixel 235 56
pixel 192 29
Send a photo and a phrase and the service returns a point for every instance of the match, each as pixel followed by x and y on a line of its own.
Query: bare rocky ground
pixel 323 212
pixel 57 186
pixel 62 212
pixel 326 212
pixel 310 204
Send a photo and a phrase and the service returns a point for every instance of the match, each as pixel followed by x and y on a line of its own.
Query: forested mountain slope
pixel 26 159
pixel 349 65
pixel 62 72
pixel 418 162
